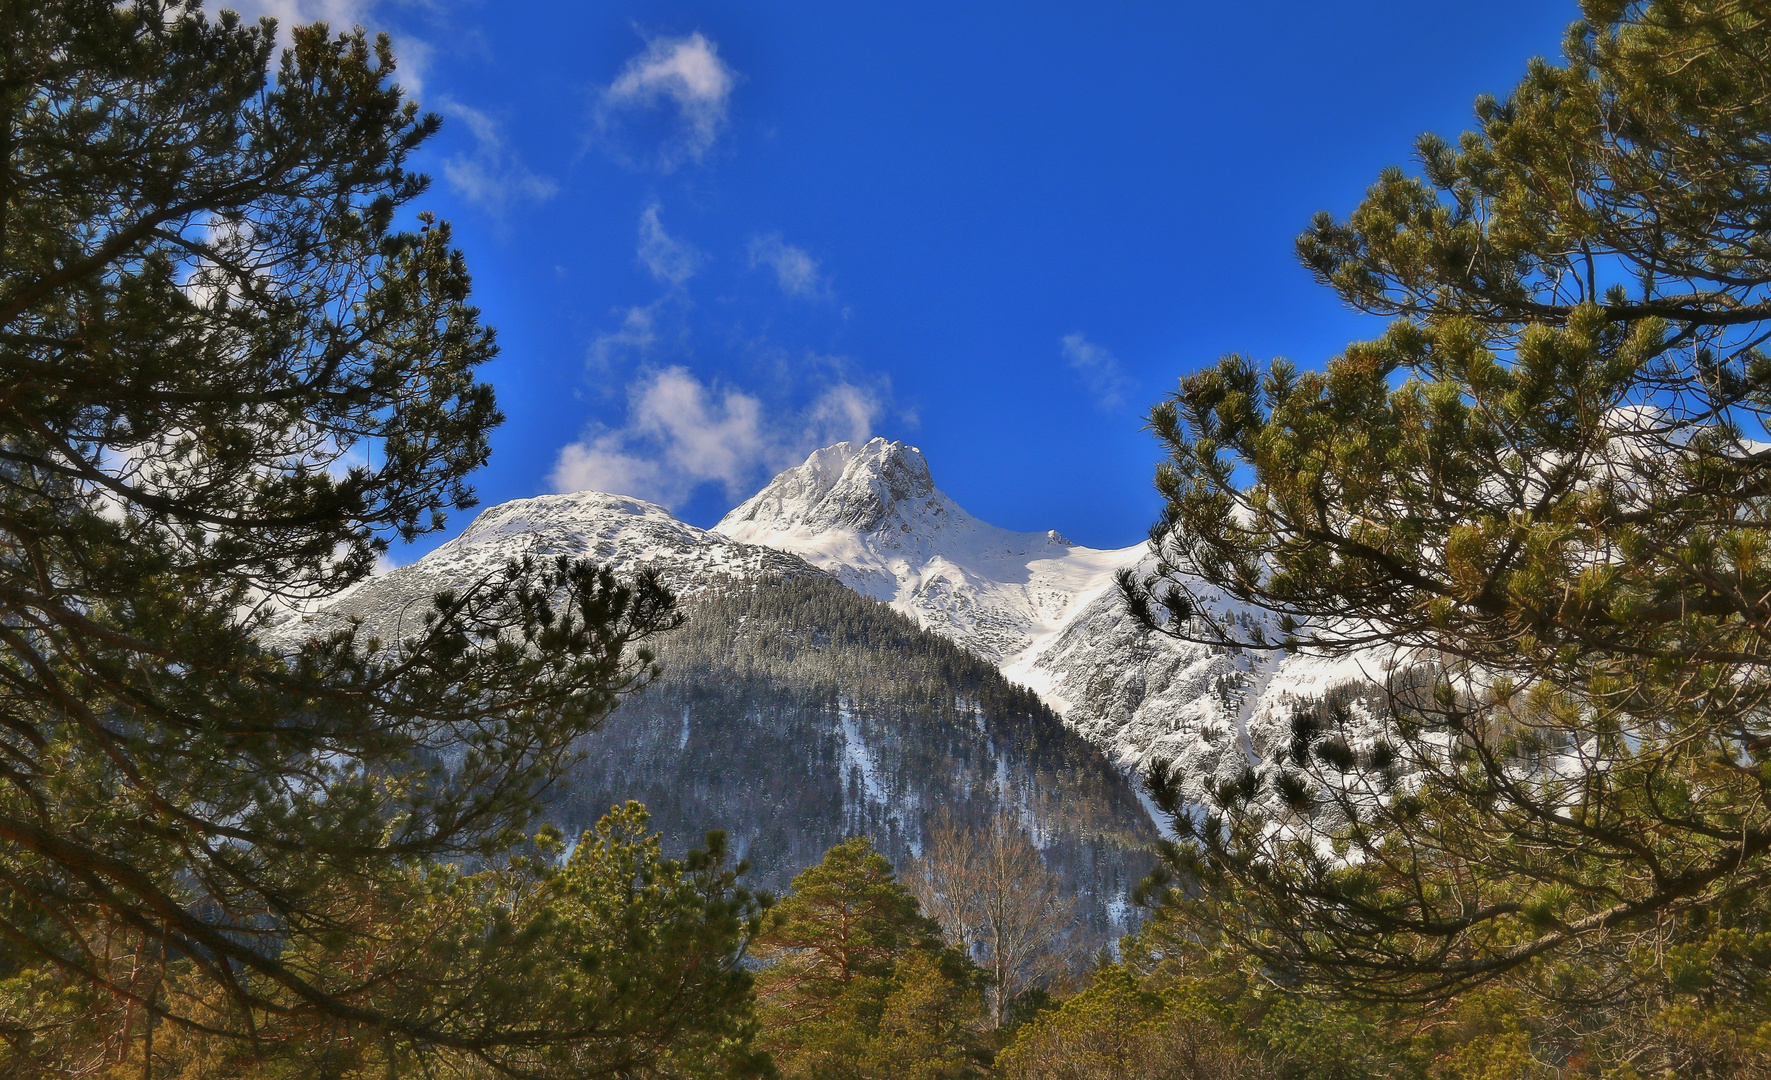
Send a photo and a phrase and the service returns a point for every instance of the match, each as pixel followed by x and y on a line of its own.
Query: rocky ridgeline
pixel 793 711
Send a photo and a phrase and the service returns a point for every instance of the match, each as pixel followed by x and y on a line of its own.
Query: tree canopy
pixel 857 982
pixel 232 370
pixel 1537 508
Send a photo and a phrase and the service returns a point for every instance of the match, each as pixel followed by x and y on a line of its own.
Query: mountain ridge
pixel 624 533
pixel 1041 610
pixel 792 711
pixel 1047 612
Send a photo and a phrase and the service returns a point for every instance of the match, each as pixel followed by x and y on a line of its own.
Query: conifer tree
pixel 1539 502
pixel 228 376
pixel 1116 1030
pixel 858 984
pixel 929 1025
pixel 612 962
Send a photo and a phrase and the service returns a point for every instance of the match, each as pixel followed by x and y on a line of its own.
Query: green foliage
pixel 635 965
pixel 858 983
pixel 1109 1030
pixel 1181 1006
pixel 229 379
pixel 1541 498
pixel 847 918
pixel 1118 1029
pixel 615 962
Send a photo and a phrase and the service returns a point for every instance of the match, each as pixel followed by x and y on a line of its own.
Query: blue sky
pixel 715 235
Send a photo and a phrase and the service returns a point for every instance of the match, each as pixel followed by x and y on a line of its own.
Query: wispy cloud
pixel 633 339
pixel 339 14
pixel 669 260
pixel 795 270
pixel 1106 381
pixel 492 174
pixel 682 433
pixel 684 74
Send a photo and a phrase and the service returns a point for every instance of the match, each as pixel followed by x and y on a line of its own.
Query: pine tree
pixel 929 1024
pixel 646 955
pixel 1116 1030
pixel 858 983
pixel 612 962
pixel 229 379
pixel 1540 499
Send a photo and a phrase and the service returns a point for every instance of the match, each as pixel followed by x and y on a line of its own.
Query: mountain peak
pixel 870 514
pixel 843 486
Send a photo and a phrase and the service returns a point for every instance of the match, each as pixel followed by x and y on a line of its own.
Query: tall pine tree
pixel 857 983
pixel 1541 500
pixel 227 378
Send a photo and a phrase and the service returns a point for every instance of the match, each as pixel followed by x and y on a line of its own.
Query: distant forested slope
pixel 793 713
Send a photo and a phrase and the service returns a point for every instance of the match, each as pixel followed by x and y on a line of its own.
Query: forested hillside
pixel 795 713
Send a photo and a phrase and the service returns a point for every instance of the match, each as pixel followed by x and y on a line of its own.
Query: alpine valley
pixel 858 651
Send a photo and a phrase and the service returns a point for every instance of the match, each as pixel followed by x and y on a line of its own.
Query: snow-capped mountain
pixel 871 515
pixel 792 712
pixel 1044 610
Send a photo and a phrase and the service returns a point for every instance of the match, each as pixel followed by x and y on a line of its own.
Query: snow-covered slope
pixel 622 533
pixel 871 514
pixel 1144 696
pixel 791 712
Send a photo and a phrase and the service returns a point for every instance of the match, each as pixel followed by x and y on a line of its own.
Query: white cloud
pixel 681 434
pixel 412 58
pixel 635 337
pixel 1101 373
pixel 492 175
pixel 795 270
pixel 685 73
pixel 844 411
pixel 602 464
pixel 338 14
pixel 669 260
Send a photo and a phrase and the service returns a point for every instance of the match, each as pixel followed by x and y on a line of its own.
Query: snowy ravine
pixel 1047 612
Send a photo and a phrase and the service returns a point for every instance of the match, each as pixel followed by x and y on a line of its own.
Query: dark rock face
pixel 882 475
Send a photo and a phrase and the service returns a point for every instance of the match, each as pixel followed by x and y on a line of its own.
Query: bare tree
pixel 989 888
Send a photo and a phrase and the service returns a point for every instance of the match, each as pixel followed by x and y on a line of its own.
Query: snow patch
pixel 857 758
